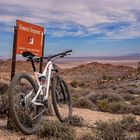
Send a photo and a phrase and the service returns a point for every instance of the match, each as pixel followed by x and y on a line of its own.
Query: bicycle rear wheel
pixel 22 111
pixel 61 99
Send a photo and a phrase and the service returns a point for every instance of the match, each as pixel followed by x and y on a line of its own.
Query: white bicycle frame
pixel 47 74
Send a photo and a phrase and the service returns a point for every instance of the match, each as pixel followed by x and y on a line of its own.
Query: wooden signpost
pixel 27 37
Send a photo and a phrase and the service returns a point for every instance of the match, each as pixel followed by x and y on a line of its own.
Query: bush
pixel 135 91
pixel 127 122
pixel 117 130
pixel 136 101
pixel 3 105
pixel 75 97
pixel 128 96
pixel 138 137
pixel 75 120
pixel 102 105
pixel 130 123
pixel 88 136
pixel 57 130
pixel 82 84
pixel 111 97
pixel 93 97
pixel 84 103
pixel 119 108
pixel 86 92
pixel 110 131
pixel 3 87
pixel 135 109
pixel 107 77
pixel 74 83
pixel 23 118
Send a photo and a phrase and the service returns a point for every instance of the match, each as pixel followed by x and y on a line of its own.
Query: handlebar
pixel 59 54
pixel 32 57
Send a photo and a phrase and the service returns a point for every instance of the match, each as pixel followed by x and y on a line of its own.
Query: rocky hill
pixel 90 74
pixel 97 72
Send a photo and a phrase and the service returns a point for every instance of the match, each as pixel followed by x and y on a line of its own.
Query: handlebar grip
pixel 68 51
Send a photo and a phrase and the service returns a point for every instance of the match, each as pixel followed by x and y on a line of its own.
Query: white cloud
pixel 86 15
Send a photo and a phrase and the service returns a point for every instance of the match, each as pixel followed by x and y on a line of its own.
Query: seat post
pixel 33 65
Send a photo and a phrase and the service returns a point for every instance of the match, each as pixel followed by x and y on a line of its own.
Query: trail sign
pixel 29 38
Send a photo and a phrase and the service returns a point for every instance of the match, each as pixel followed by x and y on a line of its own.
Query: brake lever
pixel 62 56
pixel 37 60
pixel 68 54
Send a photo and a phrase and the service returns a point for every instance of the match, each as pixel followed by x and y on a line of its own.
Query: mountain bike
pixel 29 97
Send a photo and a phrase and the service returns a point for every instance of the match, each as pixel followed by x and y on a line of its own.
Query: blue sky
pixel 89 27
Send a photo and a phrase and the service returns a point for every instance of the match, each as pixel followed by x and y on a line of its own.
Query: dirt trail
pixel 89 116
pixel 92 116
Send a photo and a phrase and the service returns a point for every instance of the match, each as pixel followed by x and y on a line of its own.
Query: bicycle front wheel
pixel 22 111
pixel 61 99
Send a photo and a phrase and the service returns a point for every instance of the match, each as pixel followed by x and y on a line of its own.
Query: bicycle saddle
pixel 28 54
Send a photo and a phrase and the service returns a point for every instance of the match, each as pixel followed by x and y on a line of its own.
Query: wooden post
pixel 41 61
pixel 14 53
pixel 9 122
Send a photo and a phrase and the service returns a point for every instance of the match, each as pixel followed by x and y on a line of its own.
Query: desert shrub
pixel 135 127
pixel 11 125
pixel 23 118
pixel 118 130
pixel 75 120
pixel 136 101
pixel 111 97
pixel 84 103
pixel 57 130
pixel 135 109
pixel 88 136
pixel 105 77
pixel 102 105
pixel 82 84
pixel 119 108
pixel 74 83
pixel 138 137
pixel 72 90
pixel 130 123
pixel 93 97
pixel 128 120
pixel 3 87
pixel 128 97
pixel 132 90
pixel 110 131
pixel 75 97
pixel 3 105
pixel 85 92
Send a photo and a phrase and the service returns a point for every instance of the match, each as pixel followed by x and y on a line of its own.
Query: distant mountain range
pixel 121 57
pixel 134 56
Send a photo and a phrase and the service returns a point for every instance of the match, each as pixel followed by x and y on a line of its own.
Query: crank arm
pixel 38 104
